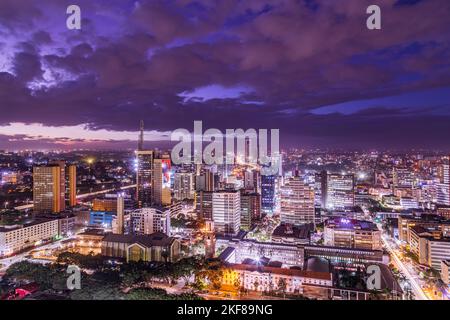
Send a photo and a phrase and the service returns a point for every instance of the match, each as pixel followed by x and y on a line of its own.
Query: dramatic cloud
pixel 310 68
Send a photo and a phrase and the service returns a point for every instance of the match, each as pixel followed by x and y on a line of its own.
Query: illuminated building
pixel 14 238
pixel 49 188
pixel 161 180
pixel 72 185
pixel 403 178
pixel 430 245
pixel 109 205
pixel 297 202
pixel 183 185
pixel 250 209
pixel 205 204
pixel 120 223
pixel 406 222
pixel 154 247
pixel 320 189
pixel 205 181
pixel 351 233
pixel 292 234
pixel 266 278
pixel 226 212
pixel 268 194
pixel 340 192
pixel 443 186
pixel 150 220
pixel 144 177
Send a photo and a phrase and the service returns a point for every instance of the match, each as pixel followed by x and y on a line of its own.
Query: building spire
pixel 141 136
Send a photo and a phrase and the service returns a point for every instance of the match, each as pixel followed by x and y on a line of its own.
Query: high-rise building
pixel 320 188
pixel 120 225
pixel 144 177
pixel 72 185
pixel 268 194
pixel 443 186
pixel 204 181
pixel 297 202
pixel 205 204
pixel 226 211
pixel 340 192
pixel 150 220
pixel 183 185
pixel 250 209
pixel 49 187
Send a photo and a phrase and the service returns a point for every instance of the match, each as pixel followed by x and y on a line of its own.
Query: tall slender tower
pixel 141 136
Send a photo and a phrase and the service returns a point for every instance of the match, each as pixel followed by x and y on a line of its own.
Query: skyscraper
pixel 226 211
pixel 183 185
pixel 268 194
pixel 72 185
pixel 144 177
pixel 340 192
pixel 250 209
pixel 297 202
pixel 49 187
pixel 443 186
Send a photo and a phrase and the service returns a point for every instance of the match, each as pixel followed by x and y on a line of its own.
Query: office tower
pixel 297 202
pixel 49 188
pixel 205 204
pixel 183 185
pixel 144 177
pixel 166 180
pixel 120 214
pixel 150 220
pixel 340 192
pixel 226 211
pixel 205 181
pixel 268 194
pixel 72 185
pixel 250 209
pixel 209 239
pixel 443 186
pixel 320 188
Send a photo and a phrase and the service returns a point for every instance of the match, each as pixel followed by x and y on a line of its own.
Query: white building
pixel 226 212
pixel 297 202
pixel 340 191
pixel 15 238
pixel 150 220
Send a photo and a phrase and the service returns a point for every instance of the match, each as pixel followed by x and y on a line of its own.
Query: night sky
pixel 308 67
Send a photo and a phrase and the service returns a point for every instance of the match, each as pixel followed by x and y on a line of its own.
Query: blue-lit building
pixel 268 194
pixel 101 219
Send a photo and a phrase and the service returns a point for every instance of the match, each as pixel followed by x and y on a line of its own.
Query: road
pixel 84 195
pixel 417 289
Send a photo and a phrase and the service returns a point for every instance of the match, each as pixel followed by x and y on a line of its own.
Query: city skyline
pixel 310 68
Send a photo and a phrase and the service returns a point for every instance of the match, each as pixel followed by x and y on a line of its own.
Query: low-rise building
pixel 14 238
pixel 153 247
pixel 292 234
pixel 352 233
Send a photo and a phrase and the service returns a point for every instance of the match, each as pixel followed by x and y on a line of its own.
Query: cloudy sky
pixel 308 67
